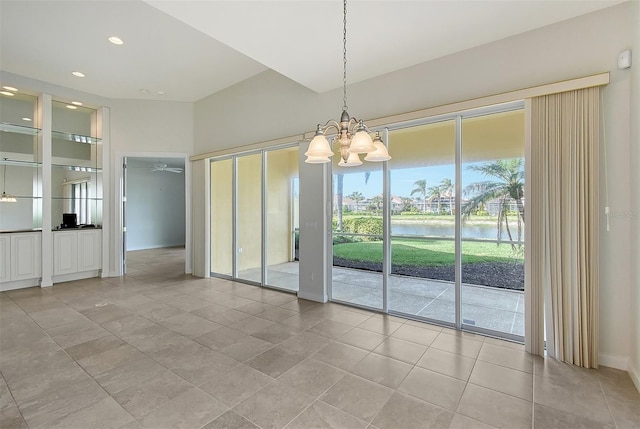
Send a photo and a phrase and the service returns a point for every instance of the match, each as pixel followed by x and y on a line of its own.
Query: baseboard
pixel 19 284
pixel 616 362
pixel 76 276
pixel 635 376
pixel 313 296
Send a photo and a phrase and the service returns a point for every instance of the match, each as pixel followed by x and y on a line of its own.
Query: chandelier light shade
pixel 352 161
pixel 352 134
pixel 5 198
pixel 381 153
pixel 319 146
pixel 317 159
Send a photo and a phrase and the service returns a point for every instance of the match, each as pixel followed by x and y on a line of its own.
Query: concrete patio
pixel 500 310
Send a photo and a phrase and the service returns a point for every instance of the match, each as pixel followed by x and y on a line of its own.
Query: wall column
pixel 315 232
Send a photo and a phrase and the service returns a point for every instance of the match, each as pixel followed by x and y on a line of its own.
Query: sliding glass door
pixel 249 217
pixel 492 214
pixel 281 217
pixel 221 240
pixel 254 215
pixel 454 216
pixel 357 226
pixel 422 175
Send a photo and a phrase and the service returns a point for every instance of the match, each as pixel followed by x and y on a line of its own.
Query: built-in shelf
pixel 77 168
pixel 19 129
pixel 76 138
pixel 52 174
pixel 20 163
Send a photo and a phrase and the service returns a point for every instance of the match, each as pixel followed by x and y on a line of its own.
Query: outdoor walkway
pixel 491 308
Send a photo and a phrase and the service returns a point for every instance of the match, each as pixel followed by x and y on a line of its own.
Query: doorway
pixel 153 216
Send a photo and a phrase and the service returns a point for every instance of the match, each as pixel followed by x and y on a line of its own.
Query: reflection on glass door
pixel 282 218
pixel 358 235
pixel 221 241
pixel 492 206
pixel 249 217
pixel 422 177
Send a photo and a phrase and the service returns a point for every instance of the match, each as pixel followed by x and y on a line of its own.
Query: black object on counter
pixel 69 220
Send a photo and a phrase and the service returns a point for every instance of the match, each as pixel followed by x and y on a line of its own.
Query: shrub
pixel 341 239
pixel 363 225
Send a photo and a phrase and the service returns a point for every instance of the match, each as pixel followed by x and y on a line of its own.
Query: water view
pixel 486 231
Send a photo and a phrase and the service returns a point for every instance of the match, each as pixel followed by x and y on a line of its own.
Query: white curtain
pixel 565 134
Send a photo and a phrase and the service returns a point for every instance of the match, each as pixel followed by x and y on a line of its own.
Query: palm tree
pixel 434 194
pixel 421 189
pixel 357 197
pixel 446 187
pixel 508 187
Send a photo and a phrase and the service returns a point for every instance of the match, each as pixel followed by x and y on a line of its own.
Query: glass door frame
pixel 458 117
pixel 234 215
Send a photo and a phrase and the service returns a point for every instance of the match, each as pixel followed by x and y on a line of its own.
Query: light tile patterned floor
pixel 162 349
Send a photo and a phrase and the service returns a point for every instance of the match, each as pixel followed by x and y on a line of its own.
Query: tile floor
pixel 160 349
pixel 500 310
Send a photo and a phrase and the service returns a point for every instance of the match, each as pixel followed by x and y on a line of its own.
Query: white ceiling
pixel 190 49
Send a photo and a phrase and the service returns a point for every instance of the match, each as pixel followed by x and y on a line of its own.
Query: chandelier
pixel 352 134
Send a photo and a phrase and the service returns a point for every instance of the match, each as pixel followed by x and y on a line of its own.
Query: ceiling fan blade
pixel 173 170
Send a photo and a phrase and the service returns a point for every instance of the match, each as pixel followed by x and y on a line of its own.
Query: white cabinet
pixel 25 256
pixel 90 254
pixel 76 253
pixel 5 258
pixel 20 262
pixel 65 252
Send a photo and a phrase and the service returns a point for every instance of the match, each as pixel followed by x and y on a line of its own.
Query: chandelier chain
pixel 344 58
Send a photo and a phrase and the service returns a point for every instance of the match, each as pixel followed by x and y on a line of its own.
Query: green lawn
pixel 422 252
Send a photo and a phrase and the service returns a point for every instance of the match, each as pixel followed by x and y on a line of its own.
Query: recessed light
pixel 116 40
pixel 26 119
pixel 7 93
pixel 10 88
pixel 78 74
pixel 144 91
pixel 161 93
pixel 76 103
pixel 69 106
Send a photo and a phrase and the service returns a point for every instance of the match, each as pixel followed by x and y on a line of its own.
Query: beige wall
pixel 276 107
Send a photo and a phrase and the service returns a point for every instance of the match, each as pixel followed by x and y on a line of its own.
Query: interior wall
pixel 634 197
pixel 277 107
pixel 155 208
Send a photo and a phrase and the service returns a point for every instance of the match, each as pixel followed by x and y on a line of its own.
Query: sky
pixel 402 181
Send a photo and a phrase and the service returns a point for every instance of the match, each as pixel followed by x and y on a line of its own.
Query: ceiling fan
pixel 163 167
